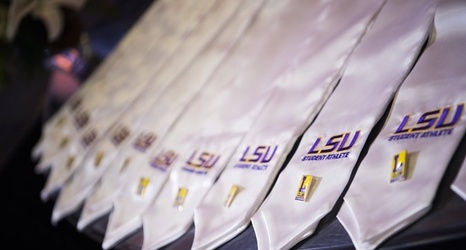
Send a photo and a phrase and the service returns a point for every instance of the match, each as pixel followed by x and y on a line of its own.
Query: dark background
pixel 27 100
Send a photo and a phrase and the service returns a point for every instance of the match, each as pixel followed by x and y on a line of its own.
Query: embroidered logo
pixel 81 118
pixel 88 137
pixel 435 123
pixel 163 160
pixel 201 163
pixel 119 135
pixel 256 158
pixel 336 147
pixel 75 103
pixel 144 141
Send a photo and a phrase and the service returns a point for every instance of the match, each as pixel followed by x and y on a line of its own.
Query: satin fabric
pixel 302 90
pixel 223 130
pixel 164 112
pixel 75 191
pixel 332 144
pixel 375 208
pixel 239 12
pixel 137 83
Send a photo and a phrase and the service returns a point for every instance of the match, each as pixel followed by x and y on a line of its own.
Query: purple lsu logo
pixel 81 118
pixel 438 122
pixel 256 159
pixel 164 160
pixel 144 141
pixel 336 147
pixel 435 119
pixel 88 137
pixel 261 154
pixel 120 135
pixel 75 103
pixel 200 163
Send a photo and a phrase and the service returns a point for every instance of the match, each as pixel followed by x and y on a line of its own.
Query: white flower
pixel 46 10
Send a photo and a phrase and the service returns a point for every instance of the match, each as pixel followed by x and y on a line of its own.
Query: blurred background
pixel 38 74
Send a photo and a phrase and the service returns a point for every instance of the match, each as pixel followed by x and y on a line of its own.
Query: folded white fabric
pixel 55 135
pixel 76 190
pixel 121 96
pixel 226 86
pixel 242 186
pixel 413 150
pixel 156 122
pixel 172 212
pixel 459 184
pixel 308 187
pixel 61 126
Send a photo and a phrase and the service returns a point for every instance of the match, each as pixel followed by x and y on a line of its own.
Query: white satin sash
pixel 420 136
pixel 309 186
